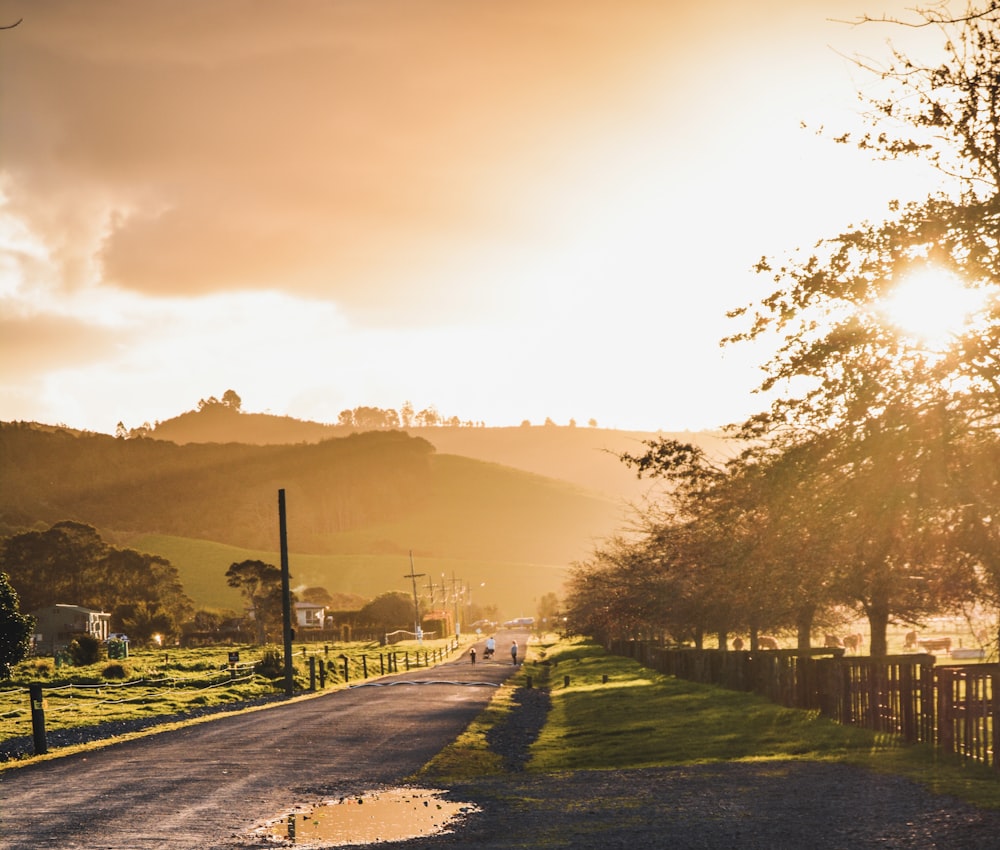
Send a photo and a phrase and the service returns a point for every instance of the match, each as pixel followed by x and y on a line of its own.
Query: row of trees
pixel 871 485
pixel 71 563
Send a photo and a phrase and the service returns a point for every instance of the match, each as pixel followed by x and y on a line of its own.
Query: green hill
pixel 586 457
pixel 357 506
pixel 512 586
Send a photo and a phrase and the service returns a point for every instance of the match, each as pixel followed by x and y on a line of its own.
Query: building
pixel 58 625
pixel 309 615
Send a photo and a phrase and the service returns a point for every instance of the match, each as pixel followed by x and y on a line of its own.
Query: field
pixel 514 588
pixel 153 683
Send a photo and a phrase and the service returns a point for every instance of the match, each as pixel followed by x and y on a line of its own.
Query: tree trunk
pixel 803 627
pixel 878 622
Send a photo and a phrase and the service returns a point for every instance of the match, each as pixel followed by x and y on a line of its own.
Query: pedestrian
pixel 491 647
pixel 513 652
pixel 472 655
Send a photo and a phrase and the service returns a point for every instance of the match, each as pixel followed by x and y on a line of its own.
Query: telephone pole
pixel 412 576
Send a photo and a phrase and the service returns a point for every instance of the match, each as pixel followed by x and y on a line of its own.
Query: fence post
pixel 322 675
pixel 945 705
pixel 364 666
pixel 345 659
pixel 38 719
pixel 312 672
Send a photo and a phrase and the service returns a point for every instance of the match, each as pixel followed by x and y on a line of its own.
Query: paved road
pixel 206 785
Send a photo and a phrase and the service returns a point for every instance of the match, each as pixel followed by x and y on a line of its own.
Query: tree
pixel 232 400
pixel 260 584
pixel 71 563
pixel 389 612
pixel 144 621
pixel 895 416
pixel 406 413
pixel 16 628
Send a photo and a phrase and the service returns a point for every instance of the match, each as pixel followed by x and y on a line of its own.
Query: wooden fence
pixel 952 707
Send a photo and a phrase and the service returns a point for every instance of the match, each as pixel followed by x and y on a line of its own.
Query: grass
pixel 175 681
pixel 202 566
pixel 638 718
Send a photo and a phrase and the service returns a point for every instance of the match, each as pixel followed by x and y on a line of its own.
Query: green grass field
pixel 514 588
pixel 153 683
pixel 639 718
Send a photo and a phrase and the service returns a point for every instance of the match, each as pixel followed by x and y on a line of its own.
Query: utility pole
pixel 430 588
pixel 454 593
pixel 412 576
pixel 286 599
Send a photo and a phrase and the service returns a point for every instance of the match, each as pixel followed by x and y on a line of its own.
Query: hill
pixel 586 457
pixel 376 495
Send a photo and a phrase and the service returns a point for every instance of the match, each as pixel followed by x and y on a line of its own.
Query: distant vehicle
pixel 519 622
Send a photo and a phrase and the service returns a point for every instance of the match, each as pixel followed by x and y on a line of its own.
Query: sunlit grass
pixel 179 681
pixel 640 719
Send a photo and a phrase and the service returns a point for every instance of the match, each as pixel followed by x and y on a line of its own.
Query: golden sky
pixel 509 209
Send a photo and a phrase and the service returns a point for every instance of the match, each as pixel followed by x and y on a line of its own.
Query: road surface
pixel 208 785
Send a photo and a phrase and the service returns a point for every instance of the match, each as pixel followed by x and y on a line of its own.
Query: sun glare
pixel 932 305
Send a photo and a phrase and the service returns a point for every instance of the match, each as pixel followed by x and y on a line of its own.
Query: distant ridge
pixel 584 456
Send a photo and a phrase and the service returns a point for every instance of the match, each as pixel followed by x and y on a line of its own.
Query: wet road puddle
pixel 397 814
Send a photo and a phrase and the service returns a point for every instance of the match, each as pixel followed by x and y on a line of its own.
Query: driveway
pixel 208 784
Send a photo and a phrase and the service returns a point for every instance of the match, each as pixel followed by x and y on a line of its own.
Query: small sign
pixel 234 658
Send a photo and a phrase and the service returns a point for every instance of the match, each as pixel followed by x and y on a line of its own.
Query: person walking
pixel 513 652
pixel 491 647
pixel 472 655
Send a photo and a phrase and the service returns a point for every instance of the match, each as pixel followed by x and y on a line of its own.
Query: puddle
pixel 392 815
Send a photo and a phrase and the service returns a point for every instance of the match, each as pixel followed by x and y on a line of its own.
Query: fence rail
pixel 951 707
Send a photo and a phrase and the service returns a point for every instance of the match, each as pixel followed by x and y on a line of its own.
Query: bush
pixel 85 650
pixel 116 670
pixel 41 667
pixel 272 665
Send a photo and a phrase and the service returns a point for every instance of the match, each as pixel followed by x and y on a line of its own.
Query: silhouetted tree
pixel 260 584
pixel 16 628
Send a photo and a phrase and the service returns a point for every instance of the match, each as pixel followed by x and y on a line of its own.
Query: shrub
pixel 85 650
pixel 115 670
pixel 41 667
pixel 272 665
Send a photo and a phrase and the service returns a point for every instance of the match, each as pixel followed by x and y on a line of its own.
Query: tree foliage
pixel 388 612
pixel 261 586
pixel 15 628
pixel 70 563
pixel 869 481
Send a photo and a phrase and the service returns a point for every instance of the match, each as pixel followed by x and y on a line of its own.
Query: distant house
pixel 58 625
pixel 309 615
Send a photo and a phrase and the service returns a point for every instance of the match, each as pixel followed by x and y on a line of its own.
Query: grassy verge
pixel 156 683
pixel 615 714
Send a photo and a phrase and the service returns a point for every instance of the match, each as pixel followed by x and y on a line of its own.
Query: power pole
pixel 430 589
pixel 454 594
pixel 286 600
pixel 412 576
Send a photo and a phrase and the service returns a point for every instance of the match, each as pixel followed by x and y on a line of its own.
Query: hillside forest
pixel 360 506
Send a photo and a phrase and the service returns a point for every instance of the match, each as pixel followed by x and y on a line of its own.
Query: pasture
pixel 514 587
pixel 610 713
pixel 155 683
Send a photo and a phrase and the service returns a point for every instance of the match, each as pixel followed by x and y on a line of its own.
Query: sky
pixel 506 209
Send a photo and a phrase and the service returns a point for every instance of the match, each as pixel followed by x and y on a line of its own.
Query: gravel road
pixel 208 785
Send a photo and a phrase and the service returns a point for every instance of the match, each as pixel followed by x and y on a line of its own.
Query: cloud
pixel 324 148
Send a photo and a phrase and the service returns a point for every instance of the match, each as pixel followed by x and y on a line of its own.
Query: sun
pixel 932 305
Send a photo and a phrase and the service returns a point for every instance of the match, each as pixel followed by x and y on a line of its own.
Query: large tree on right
pixel 899 421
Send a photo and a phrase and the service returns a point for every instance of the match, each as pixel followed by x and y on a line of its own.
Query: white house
pixel 309 615
pixel 57 625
